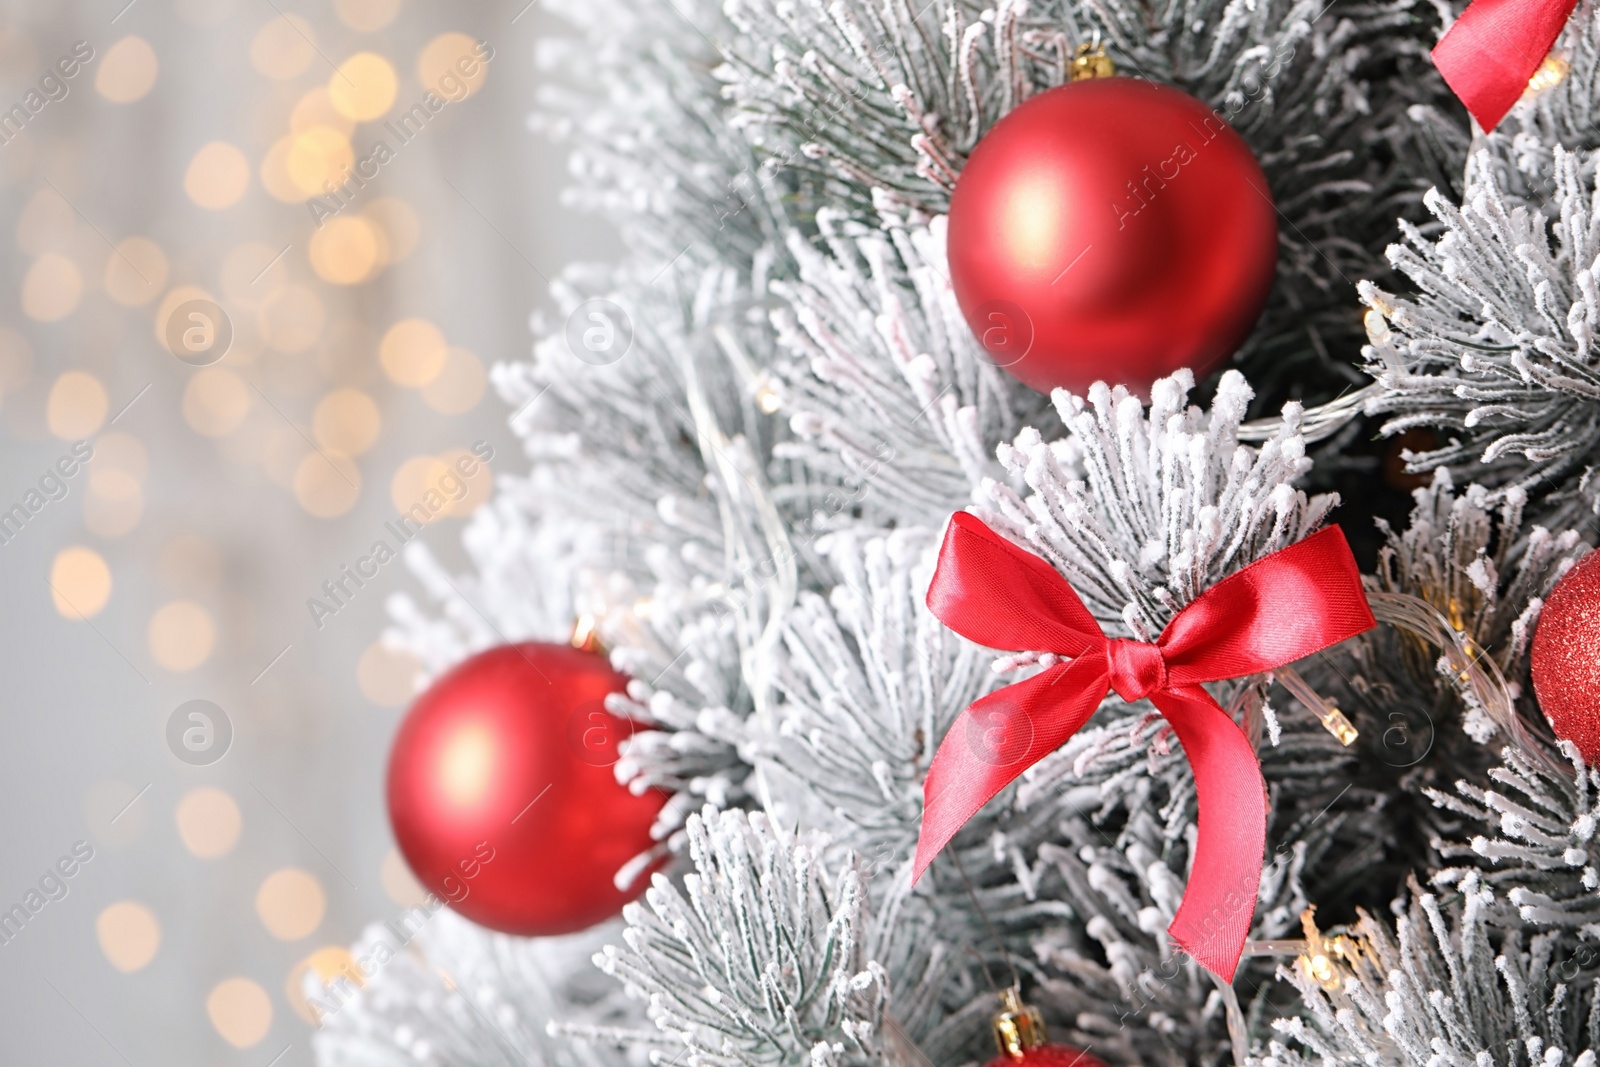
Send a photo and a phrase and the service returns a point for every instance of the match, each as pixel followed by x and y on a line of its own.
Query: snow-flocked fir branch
pixel 439 991
pixel 758 959
pixel 1144 510
pixel 1497 961
pixel 1494 350
pixel 883 382
pixel 1536 847
pixel 1437 989
pixel 1471 558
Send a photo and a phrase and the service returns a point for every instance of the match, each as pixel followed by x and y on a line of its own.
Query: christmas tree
pixel 744 479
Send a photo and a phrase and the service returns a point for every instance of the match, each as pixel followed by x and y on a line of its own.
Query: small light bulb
pixel 768 400
pixel 1549 75
pixel 1377 327
pixel 1339 726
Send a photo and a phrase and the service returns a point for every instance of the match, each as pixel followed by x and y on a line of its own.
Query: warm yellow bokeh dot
pixel 80 582
pixel 388 677
pixel 290 903
pixel 416 478
pixel 413 352
pixel 291 319
pixel 127 71
pixel 479 486
pixel 217 177
pixel 47 223
pixel 347 421
pixel 181 635
pixel 398 223
pixel 283 47
pixel 254 271
pixel 318 159
pixel 344 250
pixel 129 935
pixel 77 405
pixel 316 108
pixel 366 16
pixel 449 66
pixel 52 288
pixel 363 87
pixel 398 881
pixel 336 969
pixel 241 1011
pixel 459 385
pixel 136 271
pixel 208 822
pixel 215 401
pixel 16 361
pixel 326 484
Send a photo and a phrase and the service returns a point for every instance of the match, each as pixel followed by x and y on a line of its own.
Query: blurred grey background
pixel 178 163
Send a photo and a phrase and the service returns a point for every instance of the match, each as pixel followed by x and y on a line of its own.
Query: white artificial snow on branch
pixel 1143 511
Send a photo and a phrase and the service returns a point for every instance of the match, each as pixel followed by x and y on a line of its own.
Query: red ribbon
pixel 1288 605
pixel 1493 49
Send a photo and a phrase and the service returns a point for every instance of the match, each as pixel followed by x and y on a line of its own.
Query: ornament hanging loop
pixel 1091 61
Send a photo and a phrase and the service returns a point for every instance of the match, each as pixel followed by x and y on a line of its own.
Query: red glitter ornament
pixel 1566 657
pixel 1111 229
pixel 502 795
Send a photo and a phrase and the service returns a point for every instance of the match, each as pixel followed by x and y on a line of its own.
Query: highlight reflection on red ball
pixel 502 794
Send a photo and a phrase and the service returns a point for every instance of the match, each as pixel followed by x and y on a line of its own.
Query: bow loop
pixel 1040 612
pixel 1135 668
pixel 1288 605
pixel 1295 602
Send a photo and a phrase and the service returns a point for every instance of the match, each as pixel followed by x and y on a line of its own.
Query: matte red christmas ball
pixel 1111 230
pixel 1566 657
pixel 502 795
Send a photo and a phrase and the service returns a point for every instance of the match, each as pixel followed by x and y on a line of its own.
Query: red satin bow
pixel 1277 610
pixel 1493 49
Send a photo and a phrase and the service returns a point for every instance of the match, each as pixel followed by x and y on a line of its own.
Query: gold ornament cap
pixel 1018 1027
pixel 1091 61
pixel 586 634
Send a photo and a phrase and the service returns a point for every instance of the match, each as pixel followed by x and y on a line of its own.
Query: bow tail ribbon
pixel 1214 916
pixel 1003 734
pixel 997 738
pixel 1277 610
pixel 1492 50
